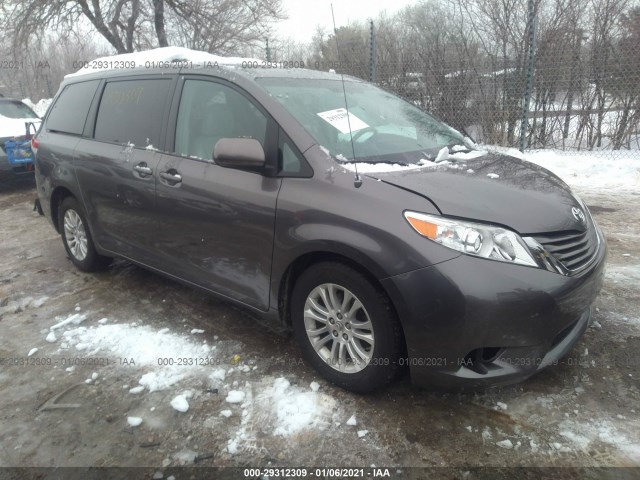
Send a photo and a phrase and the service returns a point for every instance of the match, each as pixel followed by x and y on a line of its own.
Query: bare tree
pixel 220 26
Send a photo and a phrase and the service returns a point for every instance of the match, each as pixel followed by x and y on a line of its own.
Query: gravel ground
pixel 583 412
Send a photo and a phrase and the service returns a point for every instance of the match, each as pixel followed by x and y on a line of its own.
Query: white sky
pixel 305 15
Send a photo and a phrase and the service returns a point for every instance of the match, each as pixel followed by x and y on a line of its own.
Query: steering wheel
pixel 364 130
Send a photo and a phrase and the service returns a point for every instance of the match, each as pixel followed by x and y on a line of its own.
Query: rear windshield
pixel 384 127
pixel 16 109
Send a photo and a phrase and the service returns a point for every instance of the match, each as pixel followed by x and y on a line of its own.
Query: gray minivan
pixel 383 238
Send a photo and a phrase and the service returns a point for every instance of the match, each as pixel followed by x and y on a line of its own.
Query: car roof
pixel 229 72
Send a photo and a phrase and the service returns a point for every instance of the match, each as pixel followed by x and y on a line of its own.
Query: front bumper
pixel 471 322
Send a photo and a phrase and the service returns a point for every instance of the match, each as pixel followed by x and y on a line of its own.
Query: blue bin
pixel 19 152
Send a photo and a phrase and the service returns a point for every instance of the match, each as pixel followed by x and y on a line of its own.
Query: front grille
pixel 573 249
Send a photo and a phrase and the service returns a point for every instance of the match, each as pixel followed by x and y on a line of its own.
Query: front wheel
pixel 346 327
pixel 77 238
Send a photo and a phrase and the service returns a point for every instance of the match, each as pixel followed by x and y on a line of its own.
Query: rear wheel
pixel 346 327
pixel 77 238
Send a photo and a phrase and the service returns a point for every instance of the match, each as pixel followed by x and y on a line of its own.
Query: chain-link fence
pixel 571 107
pixel 575 89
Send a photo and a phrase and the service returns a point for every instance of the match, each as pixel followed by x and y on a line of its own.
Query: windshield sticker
pixel 338 119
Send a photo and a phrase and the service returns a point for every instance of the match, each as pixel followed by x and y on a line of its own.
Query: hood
pixel 495 188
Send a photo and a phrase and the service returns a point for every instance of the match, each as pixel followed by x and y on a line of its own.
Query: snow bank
pixel 595 170
pixel 41 107
pixel 166 54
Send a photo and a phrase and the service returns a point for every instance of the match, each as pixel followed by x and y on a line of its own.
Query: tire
pixel 358 365
pixel 76 237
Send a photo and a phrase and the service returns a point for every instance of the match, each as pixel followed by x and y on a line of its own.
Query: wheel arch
pixel 367 268
pixel 57 197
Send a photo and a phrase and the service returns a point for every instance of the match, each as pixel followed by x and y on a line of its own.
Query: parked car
pixel 17 123
pixel 470 268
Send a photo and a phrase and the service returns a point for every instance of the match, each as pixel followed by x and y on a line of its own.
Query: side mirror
pixel 238 153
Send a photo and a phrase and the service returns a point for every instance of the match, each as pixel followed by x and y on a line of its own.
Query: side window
pixel 291 163
pixel 69 113
pixel 131 111
pixel 210 111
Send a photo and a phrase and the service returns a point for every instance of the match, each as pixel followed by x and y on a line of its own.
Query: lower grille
pixel 571 248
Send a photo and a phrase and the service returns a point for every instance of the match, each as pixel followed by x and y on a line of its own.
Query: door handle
pixel 142 169
pixel 171 177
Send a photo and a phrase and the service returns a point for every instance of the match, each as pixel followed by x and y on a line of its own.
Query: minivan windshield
pixel 385 128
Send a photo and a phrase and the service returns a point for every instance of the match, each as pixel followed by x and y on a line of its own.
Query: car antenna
pixel 357 181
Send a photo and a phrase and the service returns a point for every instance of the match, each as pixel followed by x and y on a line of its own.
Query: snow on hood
pixel 164 54
pixel 424 164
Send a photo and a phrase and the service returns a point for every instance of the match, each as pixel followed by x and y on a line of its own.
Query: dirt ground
pixel 583 412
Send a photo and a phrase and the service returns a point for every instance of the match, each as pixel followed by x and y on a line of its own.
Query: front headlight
pixel 492 242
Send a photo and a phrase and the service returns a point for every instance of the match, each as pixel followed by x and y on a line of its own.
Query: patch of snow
pixel 505 444
pixel 493 175
pixel 51 337
pixel 443 155
pixel 352 420
pixel 145 346
pixel 583 434
pixel 197 330
pixel 136 390
pixel 218 374
pixel 16 127
pixel 134 421
pixel 501 405
pixel 41 107
pixel 467 155
pixel 381 167
pixel 185 457
pixel 75 319
pixel 180 403
pixel 226 413
pixel 294 409
pixel 362 433
pixel 315 386
pixel 39 302
pixel 235 396
pixel 486 434
pixel 32 351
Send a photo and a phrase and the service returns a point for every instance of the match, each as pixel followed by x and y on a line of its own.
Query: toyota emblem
pixel 578 214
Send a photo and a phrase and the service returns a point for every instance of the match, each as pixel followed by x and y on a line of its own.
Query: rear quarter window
pixel 131 111
pixel 69 112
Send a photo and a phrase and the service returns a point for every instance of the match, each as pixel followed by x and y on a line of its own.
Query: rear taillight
pixel 35 143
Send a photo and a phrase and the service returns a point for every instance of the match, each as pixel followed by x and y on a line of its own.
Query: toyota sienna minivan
pixel 380 236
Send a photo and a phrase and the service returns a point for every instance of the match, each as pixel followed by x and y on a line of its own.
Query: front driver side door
pixel 216 224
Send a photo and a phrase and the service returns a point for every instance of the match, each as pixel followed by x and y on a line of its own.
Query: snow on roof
pixel 150 59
